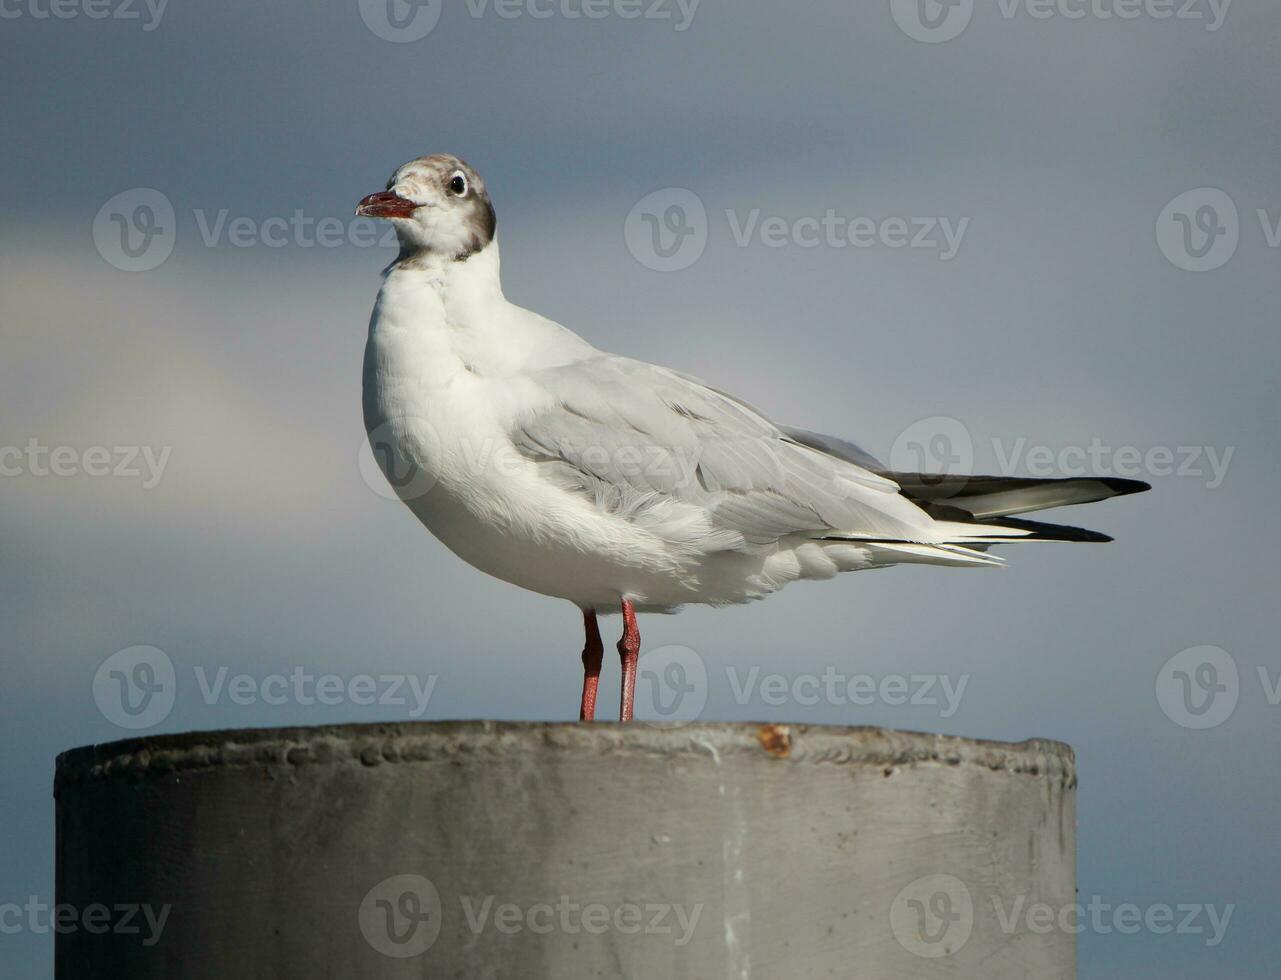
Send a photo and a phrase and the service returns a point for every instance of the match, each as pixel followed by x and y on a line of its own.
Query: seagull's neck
pixel 460 283
pixel 429 288
pixel 451 314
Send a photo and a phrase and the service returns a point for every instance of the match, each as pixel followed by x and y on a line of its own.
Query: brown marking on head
pixel 439 204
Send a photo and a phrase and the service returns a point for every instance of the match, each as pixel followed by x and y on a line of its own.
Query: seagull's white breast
pixel 443 386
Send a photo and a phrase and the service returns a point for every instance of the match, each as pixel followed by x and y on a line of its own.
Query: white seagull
pixel 618 484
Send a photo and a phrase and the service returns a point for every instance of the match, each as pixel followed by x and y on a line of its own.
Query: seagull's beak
pixel 385 204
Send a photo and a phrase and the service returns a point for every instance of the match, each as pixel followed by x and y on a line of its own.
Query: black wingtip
pixel 1121 487
pixel 1040 531
pixel 1073 534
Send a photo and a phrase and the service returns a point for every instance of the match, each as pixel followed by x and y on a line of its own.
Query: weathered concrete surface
pixel 482 850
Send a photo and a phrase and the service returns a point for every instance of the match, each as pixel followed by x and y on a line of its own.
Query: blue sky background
pixel 1059 321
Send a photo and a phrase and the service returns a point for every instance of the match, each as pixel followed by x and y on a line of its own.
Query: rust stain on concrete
pixel 776 740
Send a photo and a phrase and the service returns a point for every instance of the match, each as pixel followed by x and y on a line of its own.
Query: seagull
pixel 617 484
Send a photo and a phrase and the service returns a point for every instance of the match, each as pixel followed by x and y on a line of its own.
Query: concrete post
pixel 495 850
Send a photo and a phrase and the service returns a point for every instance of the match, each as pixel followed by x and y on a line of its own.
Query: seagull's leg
pixel 593 653
pixel 629 652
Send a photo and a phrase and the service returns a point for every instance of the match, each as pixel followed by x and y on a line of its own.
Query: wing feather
pixel 666 451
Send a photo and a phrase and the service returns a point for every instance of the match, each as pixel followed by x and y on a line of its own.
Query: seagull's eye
pixel 458 184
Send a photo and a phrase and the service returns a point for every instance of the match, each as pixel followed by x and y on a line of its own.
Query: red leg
pixel 629 651
pixel 593 653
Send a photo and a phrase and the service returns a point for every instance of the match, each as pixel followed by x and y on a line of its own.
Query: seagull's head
pixel 437 204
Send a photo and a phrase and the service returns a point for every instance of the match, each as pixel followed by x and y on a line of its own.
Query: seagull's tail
pixel 972 513
pixel 983 497
pixel 1010 529
pixel 976 510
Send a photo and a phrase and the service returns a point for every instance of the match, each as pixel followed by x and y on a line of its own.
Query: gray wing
pixel 665 450
pixel 840 448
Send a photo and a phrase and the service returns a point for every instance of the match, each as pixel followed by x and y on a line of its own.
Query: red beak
pixel 385 204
